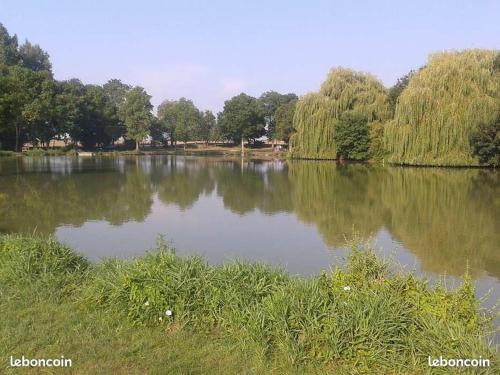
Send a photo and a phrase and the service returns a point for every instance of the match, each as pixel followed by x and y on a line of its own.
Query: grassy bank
pixel 236 318
pixel 265 153
pixel 39 153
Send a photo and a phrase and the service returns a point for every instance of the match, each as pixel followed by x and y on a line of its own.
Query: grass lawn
pixel 100 343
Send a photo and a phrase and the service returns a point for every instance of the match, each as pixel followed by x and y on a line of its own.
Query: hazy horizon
pixel 209 52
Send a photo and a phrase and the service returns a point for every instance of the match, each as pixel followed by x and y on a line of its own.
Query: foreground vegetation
pixel 114 315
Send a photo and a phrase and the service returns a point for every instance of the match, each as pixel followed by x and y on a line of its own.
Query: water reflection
pixel 446 218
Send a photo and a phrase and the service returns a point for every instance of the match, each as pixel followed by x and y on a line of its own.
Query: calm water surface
pixel 293 214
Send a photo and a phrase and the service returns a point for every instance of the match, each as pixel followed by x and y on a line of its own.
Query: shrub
pixel 352 137
pixel 485 143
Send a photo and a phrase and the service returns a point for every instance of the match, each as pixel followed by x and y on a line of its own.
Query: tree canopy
pixel 207 126
pixel 396 90
pixel 136 114
pixel 31 56
pixel 179 120
pixel 242 118
pixel 344 91
pixel 442 106
pixel 9 54
pixel 284 121
pixel 36 108
pixel 271 101
pixel 445 113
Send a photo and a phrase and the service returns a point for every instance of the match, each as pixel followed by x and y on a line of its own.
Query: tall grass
pixel 31 262
pixel 363 318
pixel 7 153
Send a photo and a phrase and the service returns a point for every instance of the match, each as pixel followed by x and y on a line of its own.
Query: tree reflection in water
pixel 446 217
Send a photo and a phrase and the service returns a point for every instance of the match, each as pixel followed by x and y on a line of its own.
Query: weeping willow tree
pixel 442 106
pixel 344 91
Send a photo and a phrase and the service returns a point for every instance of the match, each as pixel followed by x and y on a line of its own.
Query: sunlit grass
pixel 161 311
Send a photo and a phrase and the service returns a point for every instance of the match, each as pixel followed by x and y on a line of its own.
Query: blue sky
pixel 209 51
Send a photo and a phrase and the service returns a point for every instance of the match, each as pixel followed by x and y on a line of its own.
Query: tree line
pixel 445 113
pixel 36 108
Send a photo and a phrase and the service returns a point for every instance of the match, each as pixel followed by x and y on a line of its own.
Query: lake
pixel 294 214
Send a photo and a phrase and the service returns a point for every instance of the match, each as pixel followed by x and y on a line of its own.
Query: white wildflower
pixel 146 303
pixel 168 312
pixel 347 288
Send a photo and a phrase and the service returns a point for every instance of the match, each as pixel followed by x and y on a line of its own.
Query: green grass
pixel 7 153
pixel 50 152
pixel 110 317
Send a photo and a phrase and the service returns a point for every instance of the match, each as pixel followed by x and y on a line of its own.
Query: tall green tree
pixel 207 126
pixel 187 120
pixel 442 106
pixel 344 91
pixel 40 113
pixel 242 118
pixel 69 109
pixel 178 120
pixel 31 56
pixel 24 94
pixel 98 114
pixel 284 121
pixel 136 114
pixel 9 54
pixel 115 90
pixel 165 127
pixel 271 101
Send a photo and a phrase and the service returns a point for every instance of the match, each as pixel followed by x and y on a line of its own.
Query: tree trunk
pixel 136 145
pixel 242 147
pixel 17 138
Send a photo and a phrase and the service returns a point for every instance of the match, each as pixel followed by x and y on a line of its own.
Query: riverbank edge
pixel 250 154
pixel 360 317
